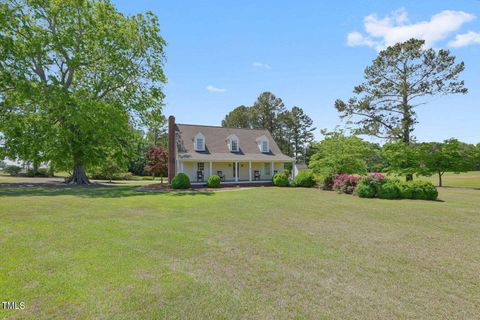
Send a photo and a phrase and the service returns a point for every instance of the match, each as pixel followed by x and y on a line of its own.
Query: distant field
pixel 467 180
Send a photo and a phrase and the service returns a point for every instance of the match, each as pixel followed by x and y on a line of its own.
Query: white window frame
pixel 232 146
pixel 260 142
pixel 265 147
pixel 230 139
pixel 199 138
pixel 267 168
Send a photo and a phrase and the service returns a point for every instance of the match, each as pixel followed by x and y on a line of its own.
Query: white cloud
pixel 215 89
pixel 465 39
pixel 261 65
pixel 396 27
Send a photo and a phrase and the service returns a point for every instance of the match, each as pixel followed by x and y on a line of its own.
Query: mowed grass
pixel 465 179
pixel 262 253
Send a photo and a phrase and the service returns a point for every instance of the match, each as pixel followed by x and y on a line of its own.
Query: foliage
pixel 402 159
pixel 369 185
pixel 327 183
pixel 291 129
pixel 402 74
pixel 338 153
pixel 297 133
pixel 181 181
pixel 390 189
pixel 2 165
pixel 117 175
pixel 240 117
pixel 110 170
pixel 83 74
pixel 365 190
pixel 418 190
pixel 213 181
pixel 280 180
pixel 345 183
pixel 451 155
pixel 157 158
pixel 12 170
pixel 305 178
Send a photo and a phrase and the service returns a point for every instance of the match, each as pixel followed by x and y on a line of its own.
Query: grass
pixel 263 253
pixel 465 179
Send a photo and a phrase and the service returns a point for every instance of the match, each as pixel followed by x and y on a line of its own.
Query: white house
pixel 236 155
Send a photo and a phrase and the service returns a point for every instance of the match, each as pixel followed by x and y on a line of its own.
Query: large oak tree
pixel 84 72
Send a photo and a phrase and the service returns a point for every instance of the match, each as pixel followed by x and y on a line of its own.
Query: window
pixel 199 144
pixel 234 145
pixel 200 166
pixel 266 168
pixel 265 146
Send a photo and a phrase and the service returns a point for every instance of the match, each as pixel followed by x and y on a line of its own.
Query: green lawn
pixel 466 179
pixel 263 253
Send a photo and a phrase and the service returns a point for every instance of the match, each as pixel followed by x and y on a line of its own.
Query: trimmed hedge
pixel 280 180
pixel 181 181
pixel 390 189
pixel 305 179
pixel 213 181
pixel 345 183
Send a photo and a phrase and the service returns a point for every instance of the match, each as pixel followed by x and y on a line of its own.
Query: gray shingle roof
pixel 216 148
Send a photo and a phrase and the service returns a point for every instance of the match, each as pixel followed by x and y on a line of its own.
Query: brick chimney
pixel 171 148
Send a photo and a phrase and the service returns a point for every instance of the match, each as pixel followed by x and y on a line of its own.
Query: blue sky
pixel 222 54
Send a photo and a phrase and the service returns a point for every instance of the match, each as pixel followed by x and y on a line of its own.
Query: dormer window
pixel 233 143
pixel 263 144
pixel 199 142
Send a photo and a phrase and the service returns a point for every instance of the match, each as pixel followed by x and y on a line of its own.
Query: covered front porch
pixel 232 172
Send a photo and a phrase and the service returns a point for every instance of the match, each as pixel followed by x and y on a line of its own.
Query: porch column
pixel 271 169
pixel 250 171
pixel 210 169
pixel 236 171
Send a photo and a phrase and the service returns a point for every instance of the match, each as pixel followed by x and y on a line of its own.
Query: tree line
pixel 340 153
pixel 292 129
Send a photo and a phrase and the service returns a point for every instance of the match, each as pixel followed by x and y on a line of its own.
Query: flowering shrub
pixel 368 186
pixel 345 183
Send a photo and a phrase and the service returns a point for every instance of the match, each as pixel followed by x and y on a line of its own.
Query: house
pixel 236 155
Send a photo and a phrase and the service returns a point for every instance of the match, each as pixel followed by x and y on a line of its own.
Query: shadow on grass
pixel 93 191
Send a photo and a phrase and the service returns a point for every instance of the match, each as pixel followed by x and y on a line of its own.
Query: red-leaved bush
pixel 345 183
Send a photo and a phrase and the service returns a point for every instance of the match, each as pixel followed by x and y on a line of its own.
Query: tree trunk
pixel 440 183
pixel 78 177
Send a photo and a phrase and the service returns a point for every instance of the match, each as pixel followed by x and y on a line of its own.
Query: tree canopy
pixel 291 129
pixel 338 153
pixel 84 73
pixel 385 104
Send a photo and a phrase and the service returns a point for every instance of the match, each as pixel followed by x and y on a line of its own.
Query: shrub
pixel 368 186
pixel 280 180
pixel 328 183
pixel 181 181
pixel 365 189
pixel 213 181
pixel 419 190
pixel 12 170
pixel 345 183
pixel 390 189
pixel 30 173
pixel 305 179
